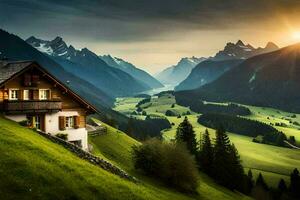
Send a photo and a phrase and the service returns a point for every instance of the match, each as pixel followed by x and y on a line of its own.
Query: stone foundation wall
pixel 90 157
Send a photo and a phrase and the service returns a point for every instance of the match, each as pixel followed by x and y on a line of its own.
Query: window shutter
pixel 76 121
pixel 62 123
pixel 35 94
pixel 21 95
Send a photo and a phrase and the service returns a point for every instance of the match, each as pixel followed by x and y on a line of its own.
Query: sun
pixel 296 35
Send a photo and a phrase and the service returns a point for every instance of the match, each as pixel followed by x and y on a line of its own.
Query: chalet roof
pixel 9 69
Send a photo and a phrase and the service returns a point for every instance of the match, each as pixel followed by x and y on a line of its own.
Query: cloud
pixel 133 20
pixel 152 32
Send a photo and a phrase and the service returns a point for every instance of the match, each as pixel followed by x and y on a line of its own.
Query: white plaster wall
pixel 52 127
pixel 16 118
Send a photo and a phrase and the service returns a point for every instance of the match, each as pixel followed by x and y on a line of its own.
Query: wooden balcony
pixel 32 106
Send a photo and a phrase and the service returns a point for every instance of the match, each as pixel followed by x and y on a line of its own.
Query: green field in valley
pixel 272 161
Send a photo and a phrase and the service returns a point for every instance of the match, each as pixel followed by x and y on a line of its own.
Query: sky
pixel 154 34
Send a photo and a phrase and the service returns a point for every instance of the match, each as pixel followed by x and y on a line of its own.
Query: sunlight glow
pixel 296 35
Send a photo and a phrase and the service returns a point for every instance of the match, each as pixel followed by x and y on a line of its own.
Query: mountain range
pixel 214 67
pixel 175 74
pixel 239 50
pixel 270 80
pixel 132 70
pixel 89 66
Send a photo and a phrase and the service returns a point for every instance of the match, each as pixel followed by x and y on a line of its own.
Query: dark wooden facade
pixel 44 94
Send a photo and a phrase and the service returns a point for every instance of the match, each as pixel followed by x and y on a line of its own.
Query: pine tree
pixel 249 182
pixel 205 158
pixel 236 169
pixel 260 181
pixel 295 183
pixel 282 186
pixel 250 176
pixel 185 134
pixel 222 159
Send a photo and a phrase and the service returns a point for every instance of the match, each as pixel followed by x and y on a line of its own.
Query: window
pixel 44 94
pixel 13 94
pixel 26 95
pixel 37 122
pixel 69 122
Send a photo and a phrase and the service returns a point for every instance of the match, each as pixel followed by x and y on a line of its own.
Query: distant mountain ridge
pixel 87 65
pixel 239 50
pixel 206 72
pixel 129 68
pixel 270 80
pixel 211 69
pixel 177 73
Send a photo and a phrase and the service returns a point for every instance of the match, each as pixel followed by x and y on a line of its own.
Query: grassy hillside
pixel 32 167
pixel 116 147
pixel 274 162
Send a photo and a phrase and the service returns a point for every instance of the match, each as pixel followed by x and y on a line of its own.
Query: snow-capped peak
pixel 55 47
pixel 239 50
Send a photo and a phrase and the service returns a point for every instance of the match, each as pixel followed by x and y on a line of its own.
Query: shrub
pixel 280 124
pixel 296 123
pixel 170 113
pixel 134 113
pixel 258 139
pixel 139 109
pixel 63 136
pixel 294 116
pixel 144 113
pixel 24 123
pixel 143 102
pixel 170 162
pixel 173 105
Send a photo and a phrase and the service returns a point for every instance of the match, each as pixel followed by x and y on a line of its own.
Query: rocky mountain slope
pixel 129 68
pixel 239 50
pixel 206 72
pixel 87 65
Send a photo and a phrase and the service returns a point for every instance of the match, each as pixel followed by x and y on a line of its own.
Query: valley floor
pixel 272 161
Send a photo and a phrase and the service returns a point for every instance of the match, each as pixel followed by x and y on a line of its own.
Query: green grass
pixel 274 162
pixel 126 105
pixel 32 167
pixel 116 147
pixel 157 106
pixel 270 115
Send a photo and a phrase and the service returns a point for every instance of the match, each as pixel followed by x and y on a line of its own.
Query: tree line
pixel 197 105
pixel 244 126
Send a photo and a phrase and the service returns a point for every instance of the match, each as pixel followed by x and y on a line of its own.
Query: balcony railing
pixel 32 106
